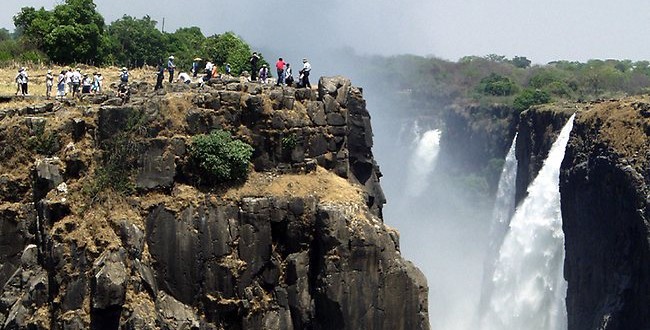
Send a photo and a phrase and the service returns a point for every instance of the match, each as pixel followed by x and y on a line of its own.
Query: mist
pixel 443 233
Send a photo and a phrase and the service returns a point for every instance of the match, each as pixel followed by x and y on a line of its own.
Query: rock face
pixel 606 213
pixel 538 129
pixel 476 135
pixel 301 245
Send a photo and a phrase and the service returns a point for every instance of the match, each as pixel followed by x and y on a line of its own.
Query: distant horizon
pixel 544 31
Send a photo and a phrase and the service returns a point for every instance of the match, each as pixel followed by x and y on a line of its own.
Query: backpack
pixel 124 77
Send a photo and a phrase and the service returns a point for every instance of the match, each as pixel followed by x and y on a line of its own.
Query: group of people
pixel 68 82
pixel 284 71
pixel 74 82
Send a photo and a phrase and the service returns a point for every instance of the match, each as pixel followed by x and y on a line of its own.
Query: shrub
pixel 219 157
pixel 529 97
pixel 497 85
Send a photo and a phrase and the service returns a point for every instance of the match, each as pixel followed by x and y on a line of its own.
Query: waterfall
pixel 504 208
pixel 528 285
pixel 422 162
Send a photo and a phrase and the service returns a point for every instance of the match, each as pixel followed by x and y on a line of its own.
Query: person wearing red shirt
pixel 280 66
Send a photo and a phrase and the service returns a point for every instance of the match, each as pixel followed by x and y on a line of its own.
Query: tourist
pixel 208 71
pixel 124 76
pixel 95 88
pixel 195 66
pixel 86 84
pixel 49 82
pixel 253 61
pixel 264 74
pixel 279 65
pixel 184 77
pixel 170 68
pixel 228 68
pixel 60 87
pixel 306 69
pixel 288 75
pixel 160 76
pixel 76 82
pixel 68 80
pixel 22 79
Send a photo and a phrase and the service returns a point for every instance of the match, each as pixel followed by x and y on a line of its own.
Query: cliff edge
pixel 606 211
pixel 104 225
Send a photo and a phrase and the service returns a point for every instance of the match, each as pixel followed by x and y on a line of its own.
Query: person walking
pixel 306 69
pixel 170 68
pixel 253 61
pixel 279 65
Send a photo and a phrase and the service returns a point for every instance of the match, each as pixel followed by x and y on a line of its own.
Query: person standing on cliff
pixel 288 79
pixel 49 82
pixel 170 68
pixel 160 76
pixel 306 69
pixel 60 87
pixel 253 60
pixel 279 65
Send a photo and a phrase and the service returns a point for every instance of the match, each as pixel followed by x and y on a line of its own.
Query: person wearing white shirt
pixel 184 77
pixel 306 69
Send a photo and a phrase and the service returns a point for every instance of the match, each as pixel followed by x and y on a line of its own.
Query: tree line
pixel 428 82
pixel 74 32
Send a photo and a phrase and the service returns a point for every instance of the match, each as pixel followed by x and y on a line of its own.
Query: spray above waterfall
pixel 423 160
pixel 528 286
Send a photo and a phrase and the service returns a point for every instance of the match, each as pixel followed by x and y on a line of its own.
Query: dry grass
pixel 622 126
pixel 37 77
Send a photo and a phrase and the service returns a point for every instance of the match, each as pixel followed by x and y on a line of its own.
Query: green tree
pixel 185 44
pixel 228 47
pixel 71 32
pixel 520 61
pixel 134 42
pixel 497 85
pixel 530 97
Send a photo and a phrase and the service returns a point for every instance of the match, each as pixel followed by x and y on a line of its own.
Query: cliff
pixel 606 213
pixel 605 206
pixel 104 225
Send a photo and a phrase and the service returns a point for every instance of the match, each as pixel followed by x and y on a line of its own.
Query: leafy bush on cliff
pixel 497 85
pixel 219 157
pixel 530 97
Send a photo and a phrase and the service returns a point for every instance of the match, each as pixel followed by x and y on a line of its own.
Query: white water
pixel 528 285
pixel 423 160
pixel 504 208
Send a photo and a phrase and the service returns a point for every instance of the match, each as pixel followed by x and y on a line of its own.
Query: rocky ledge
pixel 300 245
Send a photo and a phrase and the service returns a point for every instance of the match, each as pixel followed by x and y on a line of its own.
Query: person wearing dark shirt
pixel 253 60
pixel 160 76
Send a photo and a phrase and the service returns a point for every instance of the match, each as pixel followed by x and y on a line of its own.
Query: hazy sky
pixel 542 30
